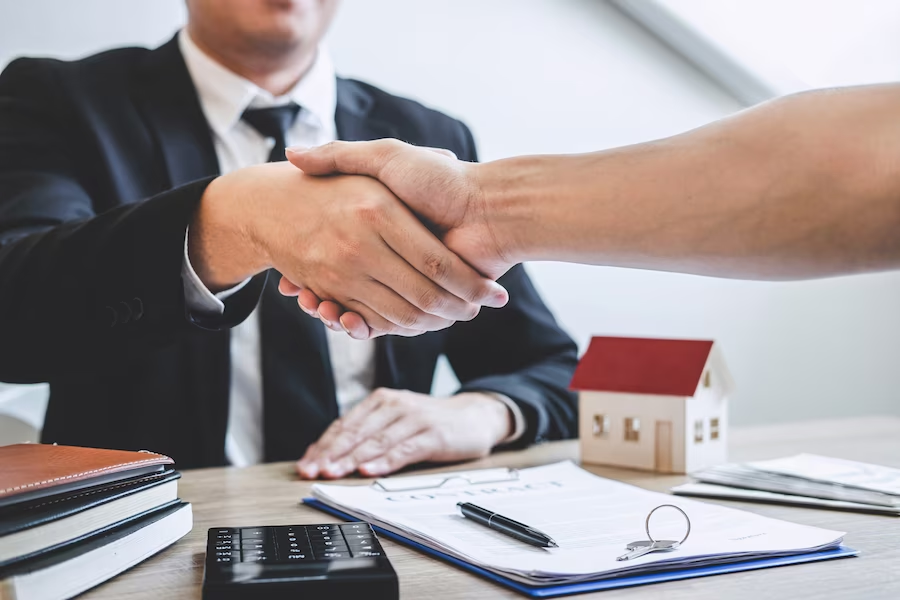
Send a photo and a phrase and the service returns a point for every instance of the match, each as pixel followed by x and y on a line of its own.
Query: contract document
pixel 591 518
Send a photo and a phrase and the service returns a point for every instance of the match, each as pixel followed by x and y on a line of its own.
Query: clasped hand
pixel 441 190
pixel 346 239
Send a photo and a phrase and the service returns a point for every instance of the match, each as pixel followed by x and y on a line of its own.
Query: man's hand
pixel 394 428
pixel 344 238
pixel 440 189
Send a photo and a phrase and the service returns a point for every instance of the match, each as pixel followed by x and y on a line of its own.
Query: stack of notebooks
pixel 591 518
pixel 71 518
pixel 804 480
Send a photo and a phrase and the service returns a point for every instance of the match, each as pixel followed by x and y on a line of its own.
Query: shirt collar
pixel 225 95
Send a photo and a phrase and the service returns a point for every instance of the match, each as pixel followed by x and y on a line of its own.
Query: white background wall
pixel 534 76
pixel 819 43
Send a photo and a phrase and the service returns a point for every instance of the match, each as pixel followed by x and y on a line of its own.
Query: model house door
pixel 664 446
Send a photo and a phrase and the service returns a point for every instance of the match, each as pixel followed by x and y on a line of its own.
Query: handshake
pixel 374 237
pixel 382 237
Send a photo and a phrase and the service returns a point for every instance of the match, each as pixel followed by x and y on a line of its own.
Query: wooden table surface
pixel 270 494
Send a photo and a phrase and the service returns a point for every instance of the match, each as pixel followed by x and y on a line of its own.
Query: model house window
pixel 714 428
pixel 632 429
pixel 707 380
pixel 601 425
pixel 698 431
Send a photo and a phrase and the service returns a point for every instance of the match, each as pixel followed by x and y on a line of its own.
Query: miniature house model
pixel 659 405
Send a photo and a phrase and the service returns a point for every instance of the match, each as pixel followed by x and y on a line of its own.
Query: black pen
pixel 520 531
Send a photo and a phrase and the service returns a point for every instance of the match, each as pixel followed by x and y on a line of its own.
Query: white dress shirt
pixel 224 96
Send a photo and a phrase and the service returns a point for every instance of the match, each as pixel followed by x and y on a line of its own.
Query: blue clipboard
pixel 552 591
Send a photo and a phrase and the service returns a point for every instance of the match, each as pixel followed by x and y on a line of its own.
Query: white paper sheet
pixel 835 470
pixel 711 490
pixel 591 518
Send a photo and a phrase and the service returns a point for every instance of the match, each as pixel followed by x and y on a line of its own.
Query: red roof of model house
pixel 642 366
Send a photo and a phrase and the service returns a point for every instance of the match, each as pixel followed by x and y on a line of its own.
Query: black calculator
pixel 297 561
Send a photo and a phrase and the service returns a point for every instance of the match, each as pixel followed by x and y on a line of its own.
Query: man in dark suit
pixel 140 237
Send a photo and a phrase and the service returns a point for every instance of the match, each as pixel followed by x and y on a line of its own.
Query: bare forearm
pixel 805 186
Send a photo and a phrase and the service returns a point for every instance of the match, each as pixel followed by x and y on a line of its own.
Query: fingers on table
pixel 378 436
pixel 343 435
pixel 382 443
pixel 418 448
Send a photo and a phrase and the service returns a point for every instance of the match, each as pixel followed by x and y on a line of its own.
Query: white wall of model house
pixel 656 432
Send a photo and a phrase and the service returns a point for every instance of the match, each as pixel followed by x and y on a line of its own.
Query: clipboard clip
pixel 426 482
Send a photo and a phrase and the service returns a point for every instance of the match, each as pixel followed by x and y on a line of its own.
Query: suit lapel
pixel 167 98
pixel 353 116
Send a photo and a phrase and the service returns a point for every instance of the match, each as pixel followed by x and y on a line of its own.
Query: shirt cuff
pixel 197 296
pixel 518 417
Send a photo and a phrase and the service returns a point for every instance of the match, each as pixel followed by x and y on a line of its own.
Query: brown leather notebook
pixel 29 471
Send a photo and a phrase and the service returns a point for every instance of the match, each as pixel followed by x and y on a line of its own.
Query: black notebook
pixel 75 568
pixel 46 524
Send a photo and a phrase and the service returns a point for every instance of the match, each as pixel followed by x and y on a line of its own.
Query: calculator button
pixel 333 555
pixel 252 545
pixel 256 558
pixel 296 546
pixel 366 553
pixel 235 554
pixel 254 533
pixel 369 541
pixel 320 549
pixel 323 529
pixel 357 536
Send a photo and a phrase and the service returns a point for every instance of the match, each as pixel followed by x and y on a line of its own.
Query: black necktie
pixel 273 123
pixel 298 386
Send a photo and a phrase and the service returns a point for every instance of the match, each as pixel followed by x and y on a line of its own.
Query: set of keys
pixel 642 547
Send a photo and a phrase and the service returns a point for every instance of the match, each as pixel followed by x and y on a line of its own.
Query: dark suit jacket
pixel 102 163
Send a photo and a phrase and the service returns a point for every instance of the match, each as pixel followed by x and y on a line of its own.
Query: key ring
pixel 686 518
